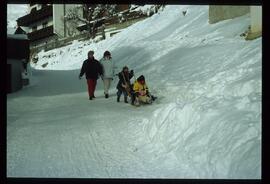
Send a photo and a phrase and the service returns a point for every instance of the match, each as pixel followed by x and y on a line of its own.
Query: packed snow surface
pixel 206 122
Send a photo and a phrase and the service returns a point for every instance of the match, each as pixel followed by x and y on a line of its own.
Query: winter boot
pixel 118 98
pixel 132 99
pixel 90 98
pixel 106 95
pixel 125 99
pixel 136 102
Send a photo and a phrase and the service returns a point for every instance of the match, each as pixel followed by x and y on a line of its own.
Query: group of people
pixel 105 68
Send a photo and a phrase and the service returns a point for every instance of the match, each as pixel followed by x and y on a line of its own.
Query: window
pixel 44 6
pixel 44 24
pixel 34 28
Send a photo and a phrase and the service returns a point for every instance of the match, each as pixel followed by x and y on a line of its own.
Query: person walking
pixel 92 69
pixel 108 68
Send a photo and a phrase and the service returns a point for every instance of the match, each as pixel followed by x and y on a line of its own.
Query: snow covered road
pixel 69 136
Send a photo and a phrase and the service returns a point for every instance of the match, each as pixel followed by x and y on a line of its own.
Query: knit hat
pixel 141 78
pixel 91 52
pixel 107 53
pixel 125 67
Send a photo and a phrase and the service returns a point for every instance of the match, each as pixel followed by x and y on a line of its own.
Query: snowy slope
pixel 206 124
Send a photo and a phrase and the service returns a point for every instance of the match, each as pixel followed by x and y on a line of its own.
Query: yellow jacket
pixel 137 87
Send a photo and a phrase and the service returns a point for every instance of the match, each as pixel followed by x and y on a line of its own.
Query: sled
pixel 137 102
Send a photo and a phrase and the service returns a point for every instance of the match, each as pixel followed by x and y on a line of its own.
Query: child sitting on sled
pixel 140 92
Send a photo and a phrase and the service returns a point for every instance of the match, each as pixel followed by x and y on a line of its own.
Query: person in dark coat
pixel 92 69
pixel 123 85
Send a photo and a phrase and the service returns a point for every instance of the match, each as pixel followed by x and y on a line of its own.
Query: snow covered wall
pixel 206 124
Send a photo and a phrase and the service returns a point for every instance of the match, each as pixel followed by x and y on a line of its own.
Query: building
pixel 51 25
pixel 17 55
pixel 21 30
pixel 255 22
pixel 218 13
pixel 46 23
pixel 63 27
pixel 39 20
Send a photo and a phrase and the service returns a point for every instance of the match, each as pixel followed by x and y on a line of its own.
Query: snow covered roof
pixel 17 36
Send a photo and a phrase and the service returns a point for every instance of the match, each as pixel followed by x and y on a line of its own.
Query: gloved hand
pixel 131 72
pixel 80 77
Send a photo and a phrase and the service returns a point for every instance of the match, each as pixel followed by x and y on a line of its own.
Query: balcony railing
pixel 35 16
pixel 42 33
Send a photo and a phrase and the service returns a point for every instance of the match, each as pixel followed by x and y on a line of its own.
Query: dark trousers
pixel 91 83
pixel 119 93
